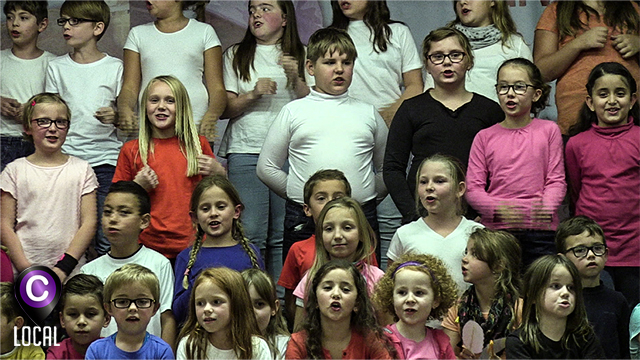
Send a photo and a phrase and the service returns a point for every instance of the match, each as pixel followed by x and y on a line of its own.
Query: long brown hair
pixel 377 18
pixel 245 50
pixel 619 15
pixel 236 229
pixel 243 325
pixel 536 281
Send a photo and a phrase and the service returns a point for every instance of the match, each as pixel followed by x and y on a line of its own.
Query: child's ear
pixel 237 211
pixel 589 102
pixel 61 319
pixel 43 25
pixel 307 210
pixel 107 319
pixel 107 308
pixel 309 66
pixel 436 303
pixel 18 322
pixel 634 98
pixel 145 220
pixel 194 217
pixel 156 306
pixel 284 20
pixel 462 188
pixel 537 95
pixel 276 309
pixel 98 28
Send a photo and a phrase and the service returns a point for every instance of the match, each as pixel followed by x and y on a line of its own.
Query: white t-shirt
pixel 103 266
pixel 48 210
pixel 377 76
pixel 245 133
pixel 21 79
pixel 281 344
pixel 419 238
pixel 483 76
pixel 260 351
pixel 86 88
pixel 323 131
pixel 180 54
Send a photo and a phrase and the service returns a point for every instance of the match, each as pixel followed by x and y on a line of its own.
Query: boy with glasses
pixel 582 241
pixel 89 80
pixel 130 296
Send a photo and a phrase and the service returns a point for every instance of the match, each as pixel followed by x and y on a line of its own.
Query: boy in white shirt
pixel 327 129
pixel 89 80
pixel 23 69
pixel 126 213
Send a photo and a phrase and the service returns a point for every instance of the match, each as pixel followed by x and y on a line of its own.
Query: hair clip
pixel 33 103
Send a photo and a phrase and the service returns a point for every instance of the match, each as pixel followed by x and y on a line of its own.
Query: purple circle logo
pixel 37 290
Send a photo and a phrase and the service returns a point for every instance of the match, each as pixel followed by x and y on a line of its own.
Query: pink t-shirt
pixel 520 168
pixel 372 275
pixel 64 350
pixel 435 345
pixel 48 205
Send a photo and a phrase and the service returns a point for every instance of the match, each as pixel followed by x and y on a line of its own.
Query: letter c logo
pixel 29 287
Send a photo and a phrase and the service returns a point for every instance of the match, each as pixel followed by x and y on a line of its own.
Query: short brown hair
pixel 95 10
pixel 441 34
pixel 324 175
pixel 330 40
pixel 576 226
pixel 131 273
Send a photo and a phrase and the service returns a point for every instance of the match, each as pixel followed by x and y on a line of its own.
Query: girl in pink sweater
pixel 516 170
pixel 603 165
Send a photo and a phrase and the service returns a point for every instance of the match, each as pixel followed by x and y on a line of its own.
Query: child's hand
pixel 509 214
pixel 10 108
pixel 209 166
pixel 208 126
pixel 264 86
pixel 147 178
pixel 106 115
pixel 290 66
pixel 594 38
pixel 627 44
pixel 127 120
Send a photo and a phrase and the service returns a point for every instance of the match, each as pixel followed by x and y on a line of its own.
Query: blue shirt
pixel 153 347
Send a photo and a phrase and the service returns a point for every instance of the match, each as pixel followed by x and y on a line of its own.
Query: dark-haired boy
pixel 582 241
pixel 23 68
pixel 126 213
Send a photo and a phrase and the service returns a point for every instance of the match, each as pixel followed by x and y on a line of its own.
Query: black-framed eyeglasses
pixel 581 251
pixel 454 57
pixel 46 123
pixel 142 303
pixel 72 21
pixel 519 88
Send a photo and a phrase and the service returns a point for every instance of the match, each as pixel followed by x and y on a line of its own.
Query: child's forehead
pixel 18 10
pixel 118 199
pixel 583 238
pixel 329 186
pixel 82 300
pixel 338 276
pixel 334 52
pixel 133 289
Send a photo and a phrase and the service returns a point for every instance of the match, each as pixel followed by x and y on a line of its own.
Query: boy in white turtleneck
pixel 327 129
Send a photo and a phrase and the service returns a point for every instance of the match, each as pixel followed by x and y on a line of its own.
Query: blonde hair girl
pixel 220 241
pixel 342 232
pixel 493 37
pixel 221 294
pixel 167 158
pixel 268 310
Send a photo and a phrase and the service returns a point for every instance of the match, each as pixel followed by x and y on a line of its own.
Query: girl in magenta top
pixel 603 165
pixel 516 174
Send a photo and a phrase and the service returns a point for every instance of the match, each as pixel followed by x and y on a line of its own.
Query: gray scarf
pixel 480 37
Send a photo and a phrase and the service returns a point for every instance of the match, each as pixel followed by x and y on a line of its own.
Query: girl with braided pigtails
pixel 220 241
